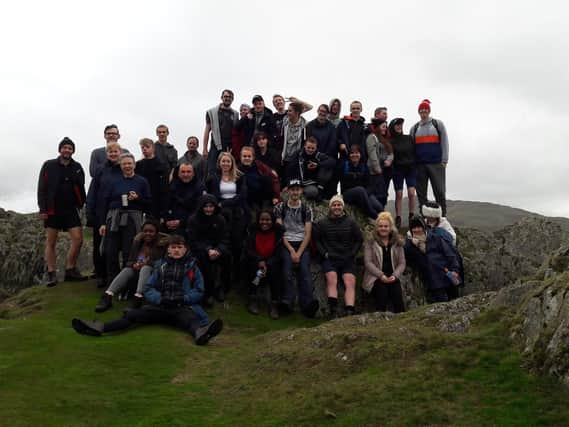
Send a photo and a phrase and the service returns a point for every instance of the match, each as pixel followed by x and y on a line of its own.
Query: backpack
pixel 414 128
pixel 303 211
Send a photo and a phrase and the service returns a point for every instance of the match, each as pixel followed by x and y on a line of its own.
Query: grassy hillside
pixel 368 370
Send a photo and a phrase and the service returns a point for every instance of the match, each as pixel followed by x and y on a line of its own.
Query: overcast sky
pixel 495 72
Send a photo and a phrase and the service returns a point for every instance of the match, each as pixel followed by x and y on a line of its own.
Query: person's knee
pixel 311 192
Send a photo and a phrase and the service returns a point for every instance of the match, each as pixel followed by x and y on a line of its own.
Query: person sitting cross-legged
pixel 148 247
pixel 174 291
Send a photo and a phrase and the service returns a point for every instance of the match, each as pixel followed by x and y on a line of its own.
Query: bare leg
pixel 76 236
pixel 50 241
pixel 398 202
pixel 350 284
pixel 332 284
pixel 411 198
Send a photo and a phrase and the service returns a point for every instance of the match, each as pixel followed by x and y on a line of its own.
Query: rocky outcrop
pixel 22 240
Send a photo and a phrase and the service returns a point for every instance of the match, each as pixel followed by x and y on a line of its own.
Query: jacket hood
pixel 330 106
pixel 207 198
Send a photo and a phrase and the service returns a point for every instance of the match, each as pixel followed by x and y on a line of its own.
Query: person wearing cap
pixel 379 159
pixel 431 155
pixel 434 259
pixel 61 194
pixel 338 240
pixel 296 219
pixel 259 119
pixel 220 123
pixel 403 167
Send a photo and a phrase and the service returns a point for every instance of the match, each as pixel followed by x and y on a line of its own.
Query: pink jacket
pixel 373 261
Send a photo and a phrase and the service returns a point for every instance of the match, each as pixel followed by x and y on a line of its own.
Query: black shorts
pixel 63 221
pixel 340 267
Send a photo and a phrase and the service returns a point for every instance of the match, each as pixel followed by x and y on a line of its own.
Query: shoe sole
pixel 214 329
pixel 81 328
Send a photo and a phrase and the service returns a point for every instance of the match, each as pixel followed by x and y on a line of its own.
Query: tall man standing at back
pixel 219 121
pixel 99 155
pixel 431 156
pixel 163 150
pixel 61 193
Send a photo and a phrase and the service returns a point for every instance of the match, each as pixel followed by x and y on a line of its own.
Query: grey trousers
pixel 120 282
pixel 436 174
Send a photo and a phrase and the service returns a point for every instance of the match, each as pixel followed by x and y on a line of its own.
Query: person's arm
pixel 369 265
pixel 151 294
pixel 42 191
pixel 307 236
pixel 194 290
pixel 93 164
pixel 443 137
pixel 134 250
pixel 305 105
pixel 325 161
pixel 205 139
pixel 373 160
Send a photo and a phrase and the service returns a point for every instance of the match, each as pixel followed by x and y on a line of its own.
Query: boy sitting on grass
pixel 174 291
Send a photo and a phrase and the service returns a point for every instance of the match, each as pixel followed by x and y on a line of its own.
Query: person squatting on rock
pixel 384 261
pixel 435 260
pixel 262 258
pixel 338 240
pixel 296 218
pixel 173 291
pixel 431 155
pixel 148 247
pixel 61 194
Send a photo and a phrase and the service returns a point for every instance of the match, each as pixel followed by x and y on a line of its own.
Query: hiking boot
pixel 136 302
pixel 73 275
pixel 51 279
pixel 84 327
pixel 105 303
pixel 274 311
pixel 253 306
pixel 311 309
pixel 349 310
pixel 205 333
pixel 398 222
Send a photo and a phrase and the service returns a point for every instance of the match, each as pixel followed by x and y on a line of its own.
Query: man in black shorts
pixel 338 239
pixel 61 194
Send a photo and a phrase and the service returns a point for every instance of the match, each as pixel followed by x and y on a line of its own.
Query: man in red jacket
pixel 61 194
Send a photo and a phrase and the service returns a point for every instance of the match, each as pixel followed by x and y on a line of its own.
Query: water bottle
pixel 451 278
pixel 258 276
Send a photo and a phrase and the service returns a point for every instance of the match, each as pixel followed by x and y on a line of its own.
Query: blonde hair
pixel 393 234
pixel 145 142
pixel 112 145
pixel 233 170
pixel 385 216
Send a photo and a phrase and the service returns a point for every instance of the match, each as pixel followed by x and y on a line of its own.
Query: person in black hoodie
pixel 266 153
pixel 185 190
pixel 354 182
pixel 313 168
pixel 403 167
pixel 262 259
pixel 338 239
pixel 351 130
pixel 208 236
pixel 156 173
pixel 260 119
pixel 263 186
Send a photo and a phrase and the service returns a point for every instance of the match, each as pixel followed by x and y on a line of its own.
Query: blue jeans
pixel 303 277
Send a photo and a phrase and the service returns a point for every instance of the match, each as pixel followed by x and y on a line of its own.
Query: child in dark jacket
pixel 174 292
pixel 208 236
pixel 262 249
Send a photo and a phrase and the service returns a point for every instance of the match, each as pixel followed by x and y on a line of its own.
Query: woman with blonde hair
pixel 384 260
pixel 229 187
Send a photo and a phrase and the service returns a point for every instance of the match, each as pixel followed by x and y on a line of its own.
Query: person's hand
pixel 263 266
pixel 295 258
pixel 312 165
pixel 213 254
pixel 132 195
pixel 455 278
pixel 102 230
pixel 43 216
pixel 387 163
pixel 136 266
pixel 444 165
pixel 391 279
pixel 204 154
pixel 275 201
pixel 343 148
pixel 250 116
pixel 172 224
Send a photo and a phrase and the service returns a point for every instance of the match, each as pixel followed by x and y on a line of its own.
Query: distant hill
pixel 483 215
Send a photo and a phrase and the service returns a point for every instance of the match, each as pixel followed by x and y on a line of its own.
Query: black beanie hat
pixel 416 221
pixel 66 141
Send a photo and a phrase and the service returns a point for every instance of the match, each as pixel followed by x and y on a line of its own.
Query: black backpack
pixel 414 128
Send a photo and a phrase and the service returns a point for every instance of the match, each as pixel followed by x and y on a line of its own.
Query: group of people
pixel 179 231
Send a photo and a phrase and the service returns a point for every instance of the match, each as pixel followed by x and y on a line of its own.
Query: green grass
pixel 261 372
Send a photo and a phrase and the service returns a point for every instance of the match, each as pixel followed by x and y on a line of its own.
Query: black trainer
pixel 105 303
pixel 206 333
pixel 311 309
pixel 73 275
pixel 51 279
pixel 83 327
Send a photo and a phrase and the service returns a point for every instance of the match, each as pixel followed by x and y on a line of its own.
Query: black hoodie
pixel 206 232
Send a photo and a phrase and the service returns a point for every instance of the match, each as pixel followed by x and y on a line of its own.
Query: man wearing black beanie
pixel 61 193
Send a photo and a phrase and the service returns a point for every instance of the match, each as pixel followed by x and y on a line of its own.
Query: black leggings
pixel 383 293
pixel 180 317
